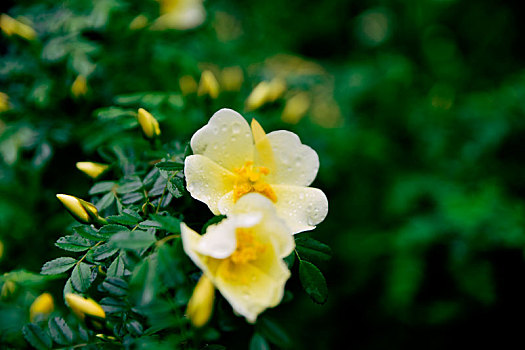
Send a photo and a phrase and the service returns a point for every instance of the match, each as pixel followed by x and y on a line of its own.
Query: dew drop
pixel 236 128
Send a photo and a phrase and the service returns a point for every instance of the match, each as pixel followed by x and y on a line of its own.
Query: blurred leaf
pixel 37 337
pixel 60 331
pixel 170 166
pixel 137 239
pixel 258 342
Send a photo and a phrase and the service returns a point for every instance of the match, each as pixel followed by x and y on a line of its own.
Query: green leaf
pixel 89 233
pixel 258 342
pixel 58 265
pixel 214 220
pixel 168 223
pixel 36 336
pixel 272 331
pixel 137 239
pixel 104 251
pixel 313 282
pixel 73 243
pixel 112 229
pixel 124 219
pixel 102 187
pixel 311 249
pixel 176 187
pixel 105 201
pixel 170 166
pixel 112 305
pixel 81 277
pixel 133 197
pixel 115 286
pixel 117 268
pixel 60 331
pixel 111 113
pixel 130 186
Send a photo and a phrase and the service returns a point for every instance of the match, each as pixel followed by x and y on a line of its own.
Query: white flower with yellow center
pixel 243 255
pixel 230 160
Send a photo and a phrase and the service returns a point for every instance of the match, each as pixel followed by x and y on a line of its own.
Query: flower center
pixel 250 179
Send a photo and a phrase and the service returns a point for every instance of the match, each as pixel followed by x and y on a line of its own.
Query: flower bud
pixel 276 89
pixel 208 85
pixel 84 212
pixel 79 86
pixel 296 108
pixel 86 309
pixel 200 305
pixel 91 169
pixel 11 26
pixel 8 289
pixel 187 84
pixel 150 125
pixel 232 78
pixel 42 306
pixel 4 102
pixel 258 97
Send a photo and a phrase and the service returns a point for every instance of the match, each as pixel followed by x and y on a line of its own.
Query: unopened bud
pixel 200 305
pixel 11 26
pixel 188 85
pixel 84 212
pixel 296 108
pixel 258 97
pixel 86 309
pixel 232 78
pixel 79 86
pixel 4 102
pixel 276 89
pixel 208 85
pixel 148 123
pixel 8 288
pixel 41 307
pixel 91 169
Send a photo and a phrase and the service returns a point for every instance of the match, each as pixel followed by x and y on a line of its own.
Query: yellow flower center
pixel 250 179
pixel 248 250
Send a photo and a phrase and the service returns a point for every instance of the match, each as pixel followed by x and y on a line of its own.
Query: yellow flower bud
pixel 208 85
pixel 91 169
pixel 188 85
pixel 258 96
pixel 4 102
pixel 8 288
pixel 150 125
pixel 200 305
pixel 232 78
pixel 86 308
pixel 138 22
pixel 79 86
pixel 11 26
pixel 276 89
pixel 84 212
pixel 43 305
pixel 296 108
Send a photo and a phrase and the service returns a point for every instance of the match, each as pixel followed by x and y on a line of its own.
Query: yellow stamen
pixel 249 180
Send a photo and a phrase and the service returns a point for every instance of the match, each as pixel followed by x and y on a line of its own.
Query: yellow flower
pixel 231 160
pixel 43 305
pixel 11 26
pixel 208 85
pixel 187 84
pixel 86 307
pixel 180 14
pixel 243 255
pixel 148 123
pixel 84 212
pixel 4 102
pixel 91 169
pixel 79 86
pixel 200 305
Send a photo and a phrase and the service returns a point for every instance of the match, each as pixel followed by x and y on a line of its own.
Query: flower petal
pixel 207 181
pixel 226 139
pixel 294 163
pixel 300 207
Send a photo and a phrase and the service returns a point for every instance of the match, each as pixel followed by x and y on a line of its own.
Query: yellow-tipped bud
pixel 138 22
pixel 42 306
pixel 79 86
pixel 148 123
pixel 208 85
pixel 276 89
pixel 296 108
pixel 200 305
pixel 188 85
pixel 86 308
pixel 4 102
pixel 84 212
pixel 91 169
pixel 258 96
pixel 11 26
pixel 232 78
pixel 8 288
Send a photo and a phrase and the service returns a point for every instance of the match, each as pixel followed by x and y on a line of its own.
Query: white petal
pixel 294 163
pixel 226 139
pixel 207 181
pixel 300 207
pixel 220 241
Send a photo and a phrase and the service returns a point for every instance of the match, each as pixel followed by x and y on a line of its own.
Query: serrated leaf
pixel 124 219
pixel 117 268
pixel 168 223
pixel 73 243
pixel 112 305
pixel 176 187
pixel 89 233
pixel 36 336
pixel 58 265
pixel 137 239
pixel 169 166
pixel 258 342
pixel 105 201
pixel 313 282
pixel 102 187
pixel 111 229
pixel 115 286
pixel 60 331
pixel 104 251
pixel 130 186
pixel 81 277
pixel 151 177
pixel 312 250
pixel 133 197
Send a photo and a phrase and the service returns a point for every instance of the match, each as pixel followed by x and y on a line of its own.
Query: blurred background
pixel 416 109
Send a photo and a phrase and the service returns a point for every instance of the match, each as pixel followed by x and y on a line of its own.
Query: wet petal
pixel 226 139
